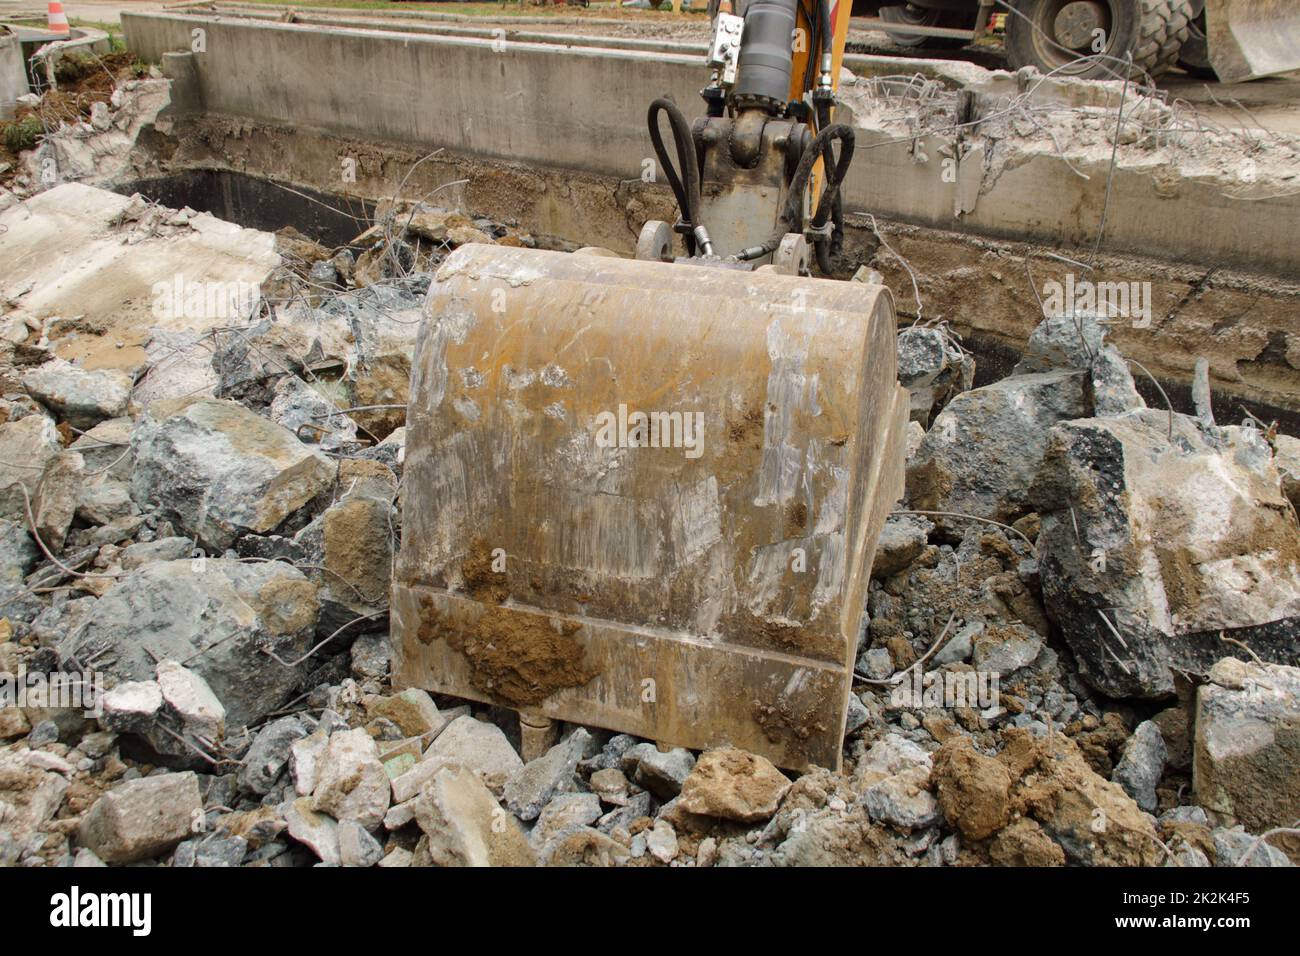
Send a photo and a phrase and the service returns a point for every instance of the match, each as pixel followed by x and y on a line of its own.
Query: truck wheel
pixel 1054 34
pixel 1194 57
pixel 919 16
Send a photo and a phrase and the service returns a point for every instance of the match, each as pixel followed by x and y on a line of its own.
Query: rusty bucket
pixel 645 496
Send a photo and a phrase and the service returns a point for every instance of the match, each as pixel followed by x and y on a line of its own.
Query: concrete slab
pixel 112 295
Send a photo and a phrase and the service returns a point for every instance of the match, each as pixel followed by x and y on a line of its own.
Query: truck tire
pixel 906 13
pixel 1194 57
pixel 1050 34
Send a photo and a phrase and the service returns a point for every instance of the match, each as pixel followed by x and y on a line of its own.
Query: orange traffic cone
pixel 58 20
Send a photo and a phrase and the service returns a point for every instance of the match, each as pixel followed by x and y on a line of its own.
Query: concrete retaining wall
pixel 13 73
pixel 584 109
pixel 530 103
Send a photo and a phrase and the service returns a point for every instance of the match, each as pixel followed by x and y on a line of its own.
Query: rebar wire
pixel 356 620
pixel 1114 154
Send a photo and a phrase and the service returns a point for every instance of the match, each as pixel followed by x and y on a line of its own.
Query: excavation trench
pixel 257 203
pixel 979 287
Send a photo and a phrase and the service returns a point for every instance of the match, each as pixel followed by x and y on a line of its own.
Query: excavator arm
pixel 645 494
pixel 757 178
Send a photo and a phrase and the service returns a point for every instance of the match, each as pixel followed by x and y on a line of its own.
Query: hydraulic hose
pixel 831 206
pixel 827 35
pixel 686 187
pixel 792 213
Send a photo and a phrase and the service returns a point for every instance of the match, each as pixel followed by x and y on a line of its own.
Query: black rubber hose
pixel 791 214
pixel 686 188
pixel 830 206
pixel 827 34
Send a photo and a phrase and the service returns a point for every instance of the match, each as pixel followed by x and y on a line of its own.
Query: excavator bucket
pixel 1252 38
pixel 645 496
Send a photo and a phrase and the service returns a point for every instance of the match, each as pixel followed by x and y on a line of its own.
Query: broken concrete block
pixel 611 786
pixel 1076 340
pixel 219 615
pixel 901 539
pixel 982 452
pixel 250 362
pixel 889 755
pixel 13 722
pixel 733 785
pixel 315 830
pixel 82 397
pixel 1093 820
pixel 397 857
pixel 310 415
pixel 465 826
pixel 191 699
pixel 103 500
pixel 143 818
pixel 412 710
pixel 55 502
pixel 567 811
pixel 350 546
pixel 351 782
pixel 219 471
pixel 662 773
pixel 903 801
pixel 18 553
pixel 1246 762
pixel 132 706
pixel 304 760
pixel 28 444
pixel 30 796
pixel 856 715
pixel 1150 547
pixel 371 656
pixel 531 788
pixel 876 663
pixel 86 859
pixel 661 842
pixel 1235 847
pixel 146 552
pixel 1004 649
pixel 1113 389
pixel 365 478
pixel 481 747
pixel 269 754
pixel 356 846
pixel 584 846
pixel 384 381
pixel 1071 340
pixel 932 369
pixel 107 448
pixel 1141 765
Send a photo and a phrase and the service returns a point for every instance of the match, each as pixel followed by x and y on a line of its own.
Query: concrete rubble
pixel 224 556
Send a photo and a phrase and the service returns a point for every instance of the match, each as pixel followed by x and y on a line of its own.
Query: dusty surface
pixel 96 279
